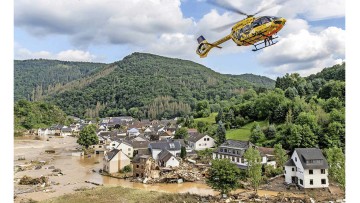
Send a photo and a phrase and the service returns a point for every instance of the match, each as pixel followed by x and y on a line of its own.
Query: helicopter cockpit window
pixel 257 22
pixel 265 20
pixel 247 29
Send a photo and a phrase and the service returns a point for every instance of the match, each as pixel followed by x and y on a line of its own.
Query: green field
pixel 210 119
pixel 244 132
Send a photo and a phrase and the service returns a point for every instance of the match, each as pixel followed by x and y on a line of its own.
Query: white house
pixel 133 132
pixel 308 168
pixel 200 141
pixel 65 131
pixel 115 160
pixel 173 147
pixel 234 151
pixel 43 132
pixel 166 159
pixel 127 148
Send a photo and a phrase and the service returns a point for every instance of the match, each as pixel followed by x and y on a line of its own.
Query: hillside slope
pixel 139 79
pixel 34 78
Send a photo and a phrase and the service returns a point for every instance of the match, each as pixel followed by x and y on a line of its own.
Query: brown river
pixel 77 170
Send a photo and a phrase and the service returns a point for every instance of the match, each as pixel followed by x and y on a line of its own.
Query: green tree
pixel 181 133
pixel 223 176
pixel 202 126
pixel 280 155
pixel 88 136
pixel 253 159
pixel 291 92
pixel 221 133
pixel 219 116
pixel 183 152
pixel 257 135
pixel 336 161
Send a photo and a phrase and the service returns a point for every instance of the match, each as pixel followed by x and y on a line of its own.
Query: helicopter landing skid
pixel 270 44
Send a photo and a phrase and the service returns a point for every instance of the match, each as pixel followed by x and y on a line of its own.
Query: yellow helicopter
pixel 256 31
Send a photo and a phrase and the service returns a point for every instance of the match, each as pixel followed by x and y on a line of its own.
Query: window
pixel 113 145
pixel 285 171
pixel 295 158
pixel 300 181
pixel 311 182
pixel 129 154
pixel 233 151
pixel 232 158
pixel 322 171
pixel 221 150
pixel 204 139
pixel 293 169
pixel 323 181
pixel 311 172
pixel 225 150
pixel 137 166
pixel 237 159
pixel 129 149
pixel 100 146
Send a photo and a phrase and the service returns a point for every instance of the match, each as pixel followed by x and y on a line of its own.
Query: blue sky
pixel 108 30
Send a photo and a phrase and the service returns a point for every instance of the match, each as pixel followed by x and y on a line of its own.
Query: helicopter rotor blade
pixel 227 6
pixel 270 6
pixel 224 27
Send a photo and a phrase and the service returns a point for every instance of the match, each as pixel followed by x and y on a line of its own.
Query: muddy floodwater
pixel 77 170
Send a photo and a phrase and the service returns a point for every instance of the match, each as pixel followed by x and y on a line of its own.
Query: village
pixel 146 152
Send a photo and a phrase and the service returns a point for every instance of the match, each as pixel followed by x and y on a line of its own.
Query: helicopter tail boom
pixel 204 46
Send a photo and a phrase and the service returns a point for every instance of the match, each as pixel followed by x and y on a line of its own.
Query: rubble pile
pixel 187 172
pixel 26 180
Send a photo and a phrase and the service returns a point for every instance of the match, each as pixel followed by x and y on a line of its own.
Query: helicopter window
pixel 256 23
pixel 264 20
pixel 246 29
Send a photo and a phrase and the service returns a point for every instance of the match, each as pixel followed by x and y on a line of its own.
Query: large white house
pixel 234 151
pixel 308 168
pixel 200 141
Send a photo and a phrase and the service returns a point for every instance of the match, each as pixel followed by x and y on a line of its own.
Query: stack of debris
pixel 26 180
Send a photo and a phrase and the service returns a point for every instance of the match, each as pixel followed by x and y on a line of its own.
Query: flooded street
pixel 77 170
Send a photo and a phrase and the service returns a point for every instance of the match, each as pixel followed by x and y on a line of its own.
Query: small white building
pixel 43 132
pixel 126 148
pixel 200 141
pixel 133 132
pixel 166 159
pixel 307 168
pixel 114 161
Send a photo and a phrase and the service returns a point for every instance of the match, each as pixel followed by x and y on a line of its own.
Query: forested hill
pixel 336 72
pixel 257 79
pixel 37 77
pixel 149 82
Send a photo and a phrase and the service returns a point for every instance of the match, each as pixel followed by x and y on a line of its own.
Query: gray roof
pixel 66 130
pixel 137 157
pixel 236 144
pixel 195 137
pixel 311 154
pixel 111 154
pixel 140 144
pixel 290 162
pixel 164 155
pixel 165 144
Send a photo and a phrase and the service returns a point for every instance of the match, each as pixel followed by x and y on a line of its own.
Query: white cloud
pixel 102 21
pixel 305 52
pixel 68 55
